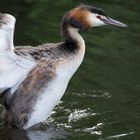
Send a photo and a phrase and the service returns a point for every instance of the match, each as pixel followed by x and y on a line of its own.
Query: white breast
pixel 54 92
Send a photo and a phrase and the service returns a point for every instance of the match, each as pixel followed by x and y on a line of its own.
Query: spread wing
pixel 21 103
pixel 12 67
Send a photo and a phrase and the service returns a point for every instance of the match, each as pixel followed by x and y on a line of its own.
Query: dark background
pixel 106 84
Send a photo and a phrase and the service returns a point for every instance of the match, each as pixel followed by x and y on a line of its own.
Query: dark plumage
pixel 92 9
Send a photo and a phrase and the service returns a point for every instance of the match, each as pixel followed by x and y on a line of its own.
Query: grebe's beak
pixel 110 21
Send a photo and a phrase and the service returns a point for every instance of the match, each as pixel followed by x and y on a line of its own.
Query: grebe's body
pixel 41 74
pixel 45 83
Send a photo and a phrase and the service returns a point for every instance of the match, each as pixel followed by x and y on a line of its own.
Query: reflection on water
pixel 102 101
pixel 47 134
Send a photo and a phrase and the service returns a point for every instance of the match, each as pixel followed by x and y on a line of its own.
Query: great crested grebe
pixel 35 78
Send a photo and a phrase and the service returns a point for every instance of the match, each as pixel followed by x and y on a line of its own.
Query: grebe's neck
pixel 72 38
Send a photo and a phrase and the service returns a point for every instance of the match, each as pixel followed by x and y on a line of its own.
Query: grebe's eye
pixel 99 17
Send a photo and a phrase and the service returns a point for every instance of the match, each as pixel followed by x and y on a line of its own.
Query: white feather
pixel 94 21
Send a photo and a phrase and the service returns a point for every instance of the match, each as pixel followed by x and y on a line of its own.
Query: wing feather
pixel 12 66
pixel 20 105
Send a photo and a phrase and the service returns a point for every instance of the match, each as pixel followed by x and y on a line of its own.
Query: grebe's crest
pixel 93 9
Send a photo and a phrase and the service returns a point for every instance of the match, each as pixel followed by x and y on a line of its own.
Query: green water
pixel 102 101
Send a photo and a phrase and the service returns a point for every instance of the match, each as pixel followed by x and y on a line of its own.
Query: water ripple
pixel 120 135
pixel 79 114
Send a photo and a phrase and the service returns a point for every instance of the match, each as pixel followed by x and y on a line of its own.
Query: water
pixel 102 100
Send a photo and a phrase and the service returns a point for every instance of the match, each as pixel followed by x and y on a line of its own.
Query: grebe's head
pixel 85 17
